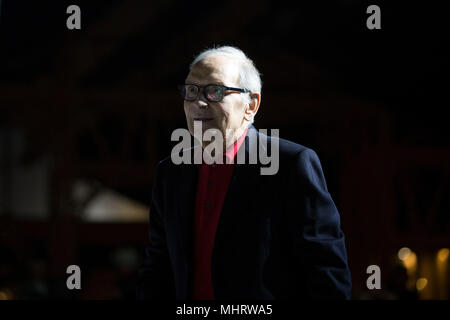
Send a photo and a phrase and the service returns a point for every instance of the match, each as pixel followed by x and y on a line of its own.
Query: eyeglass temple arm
pixel 237 89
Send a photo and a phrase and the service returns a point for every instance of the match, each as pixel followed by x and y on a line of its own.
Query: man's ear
pixel 253 106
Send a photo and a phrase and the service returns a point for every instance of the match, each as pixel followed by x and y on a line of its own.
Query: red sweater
pixel 212 186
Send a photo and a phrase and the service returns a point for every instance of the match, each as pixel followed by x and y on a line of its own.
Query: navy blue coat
pixel 278 236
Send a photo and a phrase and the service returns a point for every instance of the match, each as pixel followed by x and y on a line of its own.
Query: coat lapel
pixel 243 180
pixel 187 190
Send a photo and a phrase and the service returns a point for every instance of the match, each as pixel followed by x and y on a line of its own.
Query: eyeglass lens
pixel 211 92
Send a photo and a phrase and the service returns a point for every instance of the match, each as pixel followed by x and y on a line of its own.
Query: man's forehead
pixel 215 69
pixel 209 77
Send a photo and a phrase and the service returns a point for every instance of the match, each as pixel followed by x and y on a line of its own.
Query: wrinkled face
pixel 223 115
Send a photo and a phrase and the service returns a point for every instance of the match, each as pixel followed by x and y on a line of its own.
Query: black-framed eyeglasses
pixel 212 92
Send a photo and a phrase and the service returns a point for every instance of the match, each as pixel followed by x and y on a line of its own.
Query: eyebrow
pixel 217 83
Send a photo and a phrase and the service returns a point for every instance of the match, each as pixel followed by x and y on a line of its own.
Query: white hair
pixel 249 76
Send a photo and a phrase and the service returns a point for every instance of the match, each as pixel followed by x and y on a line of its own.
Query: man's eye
pixel 214 90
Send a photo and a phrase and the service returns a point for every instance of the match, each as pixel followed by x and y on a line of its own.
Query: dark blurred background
pixel 85 115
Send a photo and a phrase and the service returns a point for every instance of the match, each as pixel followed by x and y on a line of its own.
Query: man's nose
pixel 201 102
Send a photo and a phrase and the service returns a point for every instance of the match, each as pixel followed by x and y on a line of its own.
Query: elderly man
pixel 224 230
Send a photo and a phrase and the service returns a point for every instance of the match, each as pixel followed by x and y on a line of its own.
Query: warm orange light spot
pixel 4 295
pixel 421 283
pixel 443 254
pixel 404 253
pixel 408 259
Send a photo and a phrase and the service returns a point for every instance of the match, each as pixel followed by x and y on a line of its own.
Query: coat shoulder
pixel 290 149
